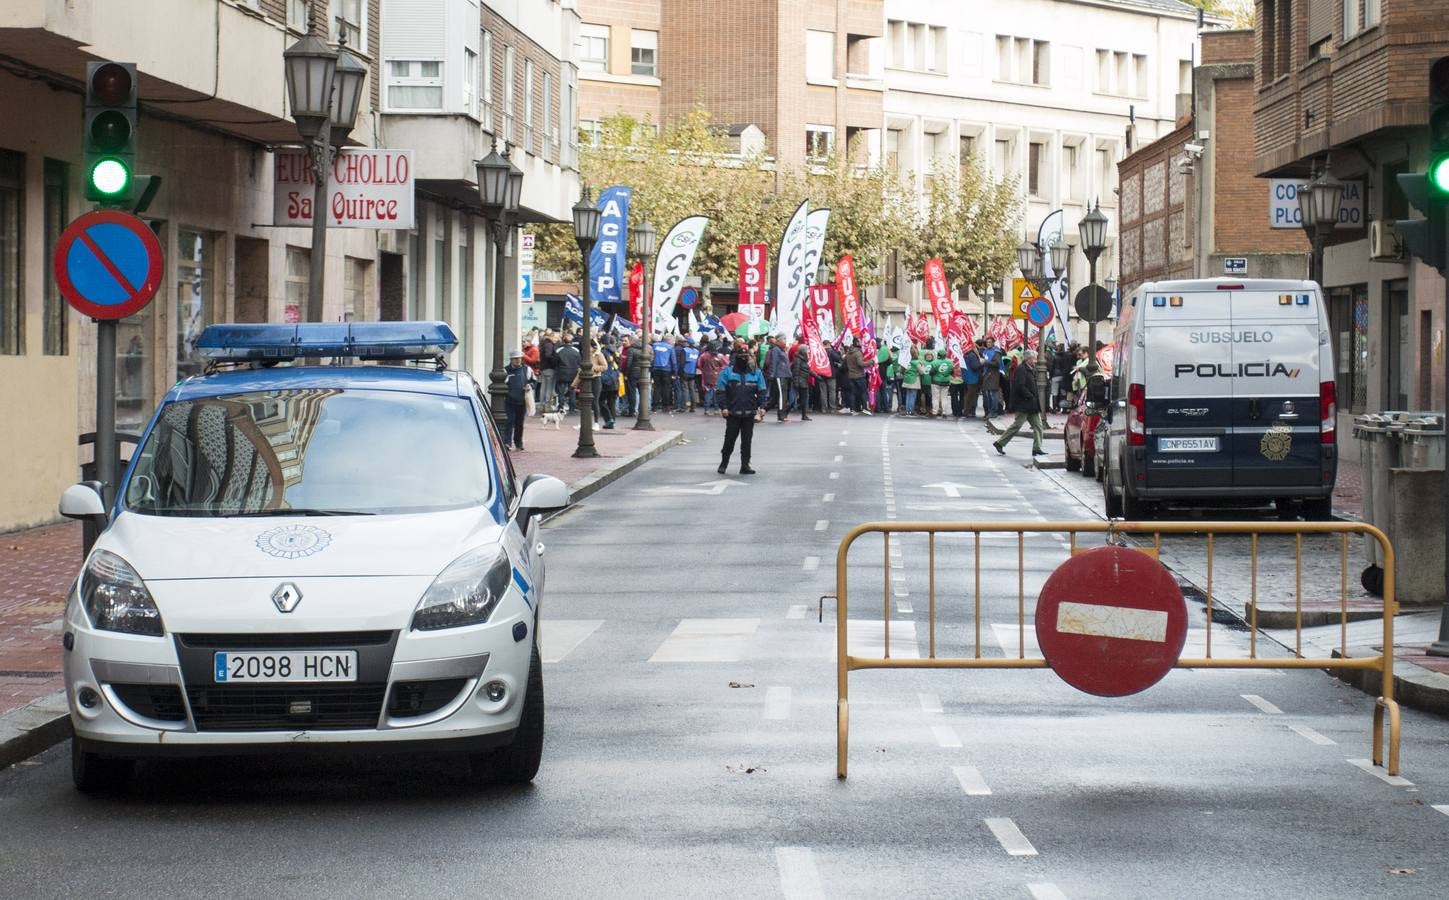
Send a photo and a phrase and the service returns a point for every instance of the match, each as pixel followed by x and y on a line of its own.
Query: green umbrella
pixel 752 328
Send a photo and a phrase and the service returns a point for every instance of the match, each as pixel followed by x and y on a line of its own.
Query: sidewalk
pixel 39 565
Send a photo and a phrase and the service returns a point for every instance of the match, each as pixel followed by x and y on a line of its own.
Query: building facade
pixel 1342 86
pixel 1190 206
pixel 212 111
pixel 1051 94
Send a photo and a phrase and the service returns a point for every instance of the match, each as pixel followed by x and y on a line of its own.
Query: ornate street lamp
pixel 347 80
pixel 1028 260
pixel 1319 203
pixel 1093 230
pixel 643 237
pixel 586 233
pixel 311 70
pixel 500 196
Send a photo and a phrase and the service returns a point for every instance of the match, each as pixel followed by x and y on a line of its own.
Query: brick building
pixel 1189 200
pixel 1342 85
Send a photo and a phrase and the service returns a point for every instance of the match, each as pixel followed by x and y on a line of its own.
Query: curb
pixel 600 480
pixel 33 728
pixel 1414 687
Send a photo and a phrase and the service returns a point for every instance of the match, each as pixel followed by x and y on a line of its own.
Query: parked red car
pixel 1080 435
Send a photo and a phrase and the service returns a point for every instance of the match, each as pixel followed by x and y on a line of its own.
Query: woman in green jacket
pixel 910 369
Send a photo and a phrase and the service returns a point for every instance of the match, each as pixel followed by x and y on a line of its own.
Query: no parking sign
pixel 108 264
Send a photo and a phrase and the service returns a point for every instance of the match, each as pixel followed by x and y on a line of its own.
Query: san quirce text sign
pixel 368 188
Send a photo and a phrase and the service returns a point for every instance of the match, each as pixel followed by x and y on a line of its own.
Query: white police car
pixel 301 556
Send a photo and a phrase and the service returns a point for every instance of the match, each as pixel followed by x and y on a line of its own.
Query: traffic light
pixel 110 132
pixel 1429 192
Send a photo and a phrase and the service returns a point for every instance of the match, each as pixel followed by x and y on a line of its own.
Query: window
pixel 896 44
pixel 1004 165
pixel 936 49
pixel 470 82
pixel 485 63
pixel 299 274
pixel 1348 315
pixel 1041 62
pixel 415 84
pixel 1023 60
pixel 1106 172
pixel 12 301
pixel 349 21
pixel 1005 56
pixel 195 262
pixel 819 141
pixel 55 339
pixel 510 80
pixel 893 148
pixel 1184 76
pixel 644 52
pixel 1071 170
pixel 1142 82
pixel 820 56
pixel 594 48
pixel 355 305
pixel 967 153
pixel 1035 152
pixel 1371 12
pixel 529 107
pixel 550 136
pixel 297 14
pixel 590 132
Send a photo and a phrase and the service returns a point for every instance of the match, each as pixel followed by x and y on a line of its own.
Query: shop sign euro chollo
pixel 368 188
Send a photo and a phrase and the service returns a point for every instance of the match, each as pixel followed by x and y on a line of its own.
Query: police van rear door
pixel 1275 417
pixel 1188 402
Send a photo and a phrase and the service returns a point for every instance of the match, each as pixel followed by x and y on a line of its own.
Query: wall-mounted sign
pixel 1283 209
pixel 369 188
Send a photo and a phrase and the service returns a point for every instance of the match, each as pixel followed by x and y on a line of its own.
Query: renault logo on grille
pixel 286 596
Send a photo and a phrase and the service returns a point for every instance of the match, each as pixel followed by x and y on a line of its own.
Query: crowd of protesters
pixel 919 381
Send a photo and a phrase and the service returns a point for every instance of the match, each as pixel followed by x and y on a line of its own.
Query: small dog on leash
pixel 553 417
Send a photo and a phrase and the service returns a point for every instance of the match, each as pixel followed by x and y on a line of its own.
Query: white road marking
pixel 1045 890
pixel 799 879
pixel 797 611
pixel 1101 620
pixel 706 640
pixel 971 781
pixel 905 608
pixel 822 524
pixel 867 638
pixel 828 498
pixel 777 703
pixel 840 444
pixel 560 637
pixel 930 703
pixel 1010 837
pixel 901 591
pixel 810 564
pixel 838 457
pixel 1442 807
pixel 834 475
pixel 1311 735
pixel 1007 636
pixel 1262 704
pixel 946 736
pixel 1378 772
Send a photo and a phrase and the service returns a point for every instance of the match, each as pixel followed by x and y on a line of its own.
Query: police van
pixel 1222 393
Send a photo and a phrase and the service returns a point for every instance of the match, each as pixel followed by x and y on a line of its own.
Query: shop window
pixel 195 264
pixel 299 274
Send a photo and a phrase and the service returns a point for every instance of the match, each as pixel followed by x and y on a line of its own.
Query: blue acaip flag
pixel 606 260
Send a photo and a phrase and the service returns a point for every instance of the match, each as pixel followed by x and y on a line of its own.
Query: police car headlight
pixel 115 598
pixel 466 593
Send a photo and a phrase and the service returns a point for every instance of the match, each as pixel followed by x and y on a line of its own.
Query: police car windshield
pixel 323 451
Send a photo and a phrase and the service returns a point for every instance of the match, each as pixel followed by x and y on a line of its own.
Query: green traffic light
pixel 110 177
pixel 1439 175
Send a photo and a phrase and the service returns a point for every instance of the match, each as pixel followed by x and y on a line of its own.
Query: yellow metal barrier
pixel 1383 663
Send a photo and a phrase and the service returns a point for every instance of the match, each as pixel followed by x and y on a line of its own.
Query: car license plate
pixel 1187 444
pixel 286 666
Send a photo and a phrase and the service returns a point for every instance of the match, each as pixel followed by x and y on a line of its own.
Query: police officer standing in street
pixel 742 397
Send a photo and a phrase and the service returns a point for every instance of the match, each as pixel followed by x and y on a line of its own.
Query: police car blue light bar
pixel 357 340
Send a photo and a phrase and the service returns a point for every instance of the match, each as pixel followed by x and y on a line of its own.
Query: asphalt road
pixel 691 731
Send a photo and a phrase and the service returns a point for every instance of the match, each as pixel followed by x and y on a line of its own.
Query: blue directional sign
pixel 108 264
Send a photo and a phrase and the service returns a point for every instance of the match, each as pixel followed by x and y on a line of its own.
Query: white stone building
pixel 1052 93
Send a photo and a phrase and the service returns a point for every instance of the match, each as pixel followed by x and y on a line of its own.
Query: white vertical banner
pixel 815 224
pixel 790 281
pixel 672 265
pixel 525 267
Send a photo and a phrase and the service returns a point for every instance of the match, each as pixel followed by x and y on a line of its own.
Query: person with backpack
pixel 548 373
pixel 910 375
pixel 606 364
pixel 745 396
pixel 566 373
pixel 940 384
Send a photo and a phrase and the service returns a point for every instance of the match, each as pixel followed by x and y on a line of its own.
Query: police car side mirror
pixel 83 501
pixel 541 492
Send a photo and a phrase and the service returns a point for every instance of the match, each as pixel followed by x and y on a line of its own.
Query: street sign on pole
pixel 1093 303
pixel 107 264
pixel 1111 621
pixel 1022 295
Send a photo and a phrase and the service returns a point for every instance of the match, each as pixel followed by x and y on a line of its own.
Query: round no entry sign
pixel 1111 621
pixel 107 264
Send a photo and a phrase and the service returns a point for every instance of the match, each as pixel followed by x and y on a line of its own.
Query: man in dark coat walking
pixel 1025 404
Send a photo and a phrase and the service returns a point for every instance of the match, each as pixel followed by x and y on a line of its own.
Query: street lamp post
pixel 1061 257
pixel 586 232
pixel 643 236
pixel 1319 203
pixel 1093 229
pixel 500 186
pixel 324 90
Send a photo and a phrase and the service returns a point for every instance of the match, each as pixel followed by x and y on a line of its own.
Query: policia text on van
pixel 1201 415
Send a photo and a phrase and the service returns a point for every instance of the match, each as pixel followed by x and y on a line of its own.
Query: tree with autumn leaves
pixel 688 167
